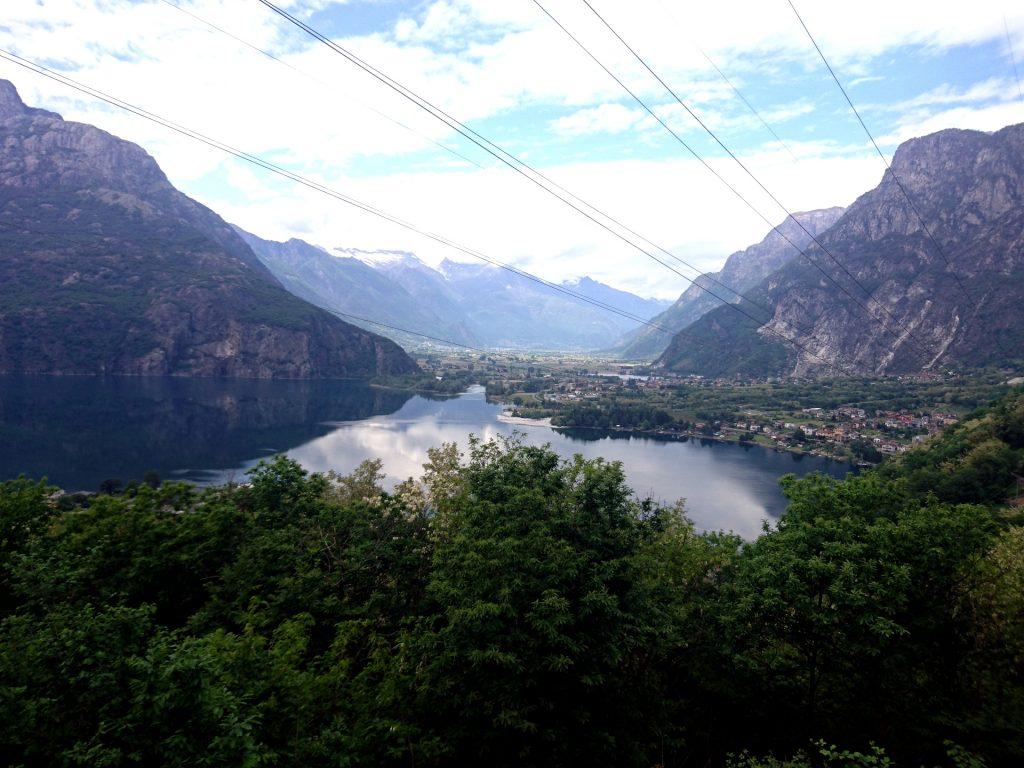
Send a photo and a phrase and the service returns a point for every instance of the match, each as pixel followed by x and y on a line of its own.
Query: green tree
pixel 844 623
pixel 542 648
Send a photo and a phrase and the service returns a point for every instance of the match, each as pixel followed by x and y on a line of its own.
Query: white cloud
pixel 984 106
pixel 988 118
pixel 987 90
pixel 606 118
pixel 481 59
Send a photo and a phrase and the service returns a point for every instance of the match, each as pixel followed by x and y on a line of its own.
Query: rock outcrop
pixel 741 272
pixel 948 295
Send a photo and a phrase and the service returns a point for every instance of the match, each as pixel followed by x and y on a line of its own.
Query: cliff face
pixel 969 188
pixel 741 272
pixel 107 268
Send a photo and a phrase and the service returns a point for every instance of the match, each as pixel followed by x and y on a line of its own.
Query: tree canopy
pixel 516 609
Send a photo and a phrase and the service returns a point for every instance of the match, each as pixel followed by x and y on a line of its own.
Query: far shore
pixel 506 418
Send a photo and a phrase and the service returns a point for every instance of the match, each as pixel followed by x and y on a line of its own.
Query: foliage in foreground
pixel 509 609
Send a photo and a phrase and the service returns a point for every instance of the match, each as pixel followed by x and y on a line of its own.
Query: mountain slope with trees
pixel 107 268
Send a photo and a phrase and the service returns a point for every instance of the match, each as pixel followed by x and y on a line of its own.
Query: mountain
pixel 509 310
pixel 628 302
pixel 107 268
pixel 741 272
pixel 476 304
pixel 427 287
pixel 949 295
pixel 349 284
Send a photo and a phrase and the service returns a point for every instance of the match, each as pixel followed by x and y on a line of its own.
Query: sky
pixel 506 70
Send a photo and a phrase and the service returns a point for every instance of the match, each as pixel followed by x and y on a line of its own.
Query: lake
pixel 79 431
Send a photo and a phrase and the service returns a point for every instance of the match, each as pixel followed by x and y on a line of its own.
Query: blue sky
pixel 798 95
pixel 505 69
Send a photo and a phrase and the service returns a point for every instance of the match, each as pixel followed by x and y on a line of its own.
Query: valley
pixel 526 385
pixel 858 420
pixel 474 304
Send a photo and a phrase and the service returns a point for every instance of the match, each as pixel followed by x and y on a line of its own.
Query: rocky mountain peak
pixel 962 226
pixel 382 258
pixel 457 269
pixel 11 104
pixel 821 219
pixel 959 180
pixel 942 150
pixel 54 153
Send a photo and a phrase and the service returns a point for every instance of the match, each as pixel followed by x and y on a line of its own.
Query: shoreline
pixel 546 422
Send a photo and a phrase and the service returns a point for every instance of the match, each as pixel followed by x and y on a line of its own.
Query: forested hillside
pixel 512 609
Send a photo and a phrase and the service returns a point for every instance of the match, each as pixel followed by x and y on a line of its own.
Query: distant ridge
pixel 471 303
pixel 354 284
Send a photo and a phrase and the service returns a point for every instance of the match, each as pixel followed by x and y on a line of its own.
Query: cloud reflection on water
pixel 725 486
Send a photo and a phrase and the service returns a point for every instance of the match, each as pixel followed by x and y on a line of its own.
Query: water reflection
pixel 78 431
pixel 725 486
pixel 81 431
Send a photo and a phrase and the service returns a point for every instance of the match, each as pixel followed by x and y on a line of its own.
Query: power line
pixel 695 154
pixel 449 342
pixel 516 164
pixel 269 166
pixel 706 165
pixel 809 331
pixel 1013 59
pixel 505 157
pixel 743 166
pixel 750 107
pixel 20 227
pixel 315 79
pixel 881 154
